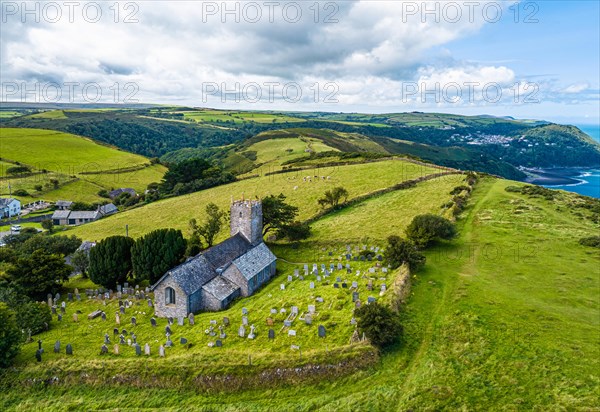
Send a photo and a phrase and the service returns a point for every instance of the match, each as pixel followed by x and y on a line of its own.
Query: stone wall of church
pixel 161 309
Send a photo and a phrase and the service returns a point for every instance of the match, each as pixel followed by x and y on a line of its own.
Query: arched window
pixel 169 296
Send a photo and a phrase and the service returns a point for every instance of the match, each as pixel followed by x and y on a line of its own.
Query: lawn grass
pixel 176 212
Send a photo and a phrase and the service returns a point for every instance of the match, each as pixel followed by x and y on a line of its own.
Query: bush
pixel 21 192
pixel 592 241
pixel 295 231
pixel 110 261
pixel 17 170
pixel 399 251
pixel 34 316
pixel 10 336
pixel 424 229
pixel 39 273
pixel 379 323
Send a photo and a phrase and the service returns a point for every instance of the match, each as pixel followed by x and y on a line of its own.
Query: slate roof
pixel 220 287
pixel 254 260
pixel 61 214
pixel 63 203
pixel 108 209
pixel 115 193
pixel 221 255
pixel 83 214
pixel 5 201
pixel 191 275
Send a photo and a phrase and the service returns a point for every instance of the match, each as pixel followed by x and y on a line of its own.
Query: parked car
pixel 15 228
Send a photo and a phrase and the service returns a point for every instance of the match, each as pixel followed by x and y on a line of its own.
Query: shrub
pixel 21 192
pixel 592 241
pixel 10 336
pixel 17 170
pixel 39 273
pixel 399 251
pixel 110 261
pixel 424 229
pixel 295 231
pixel 379 323
pixel 33 316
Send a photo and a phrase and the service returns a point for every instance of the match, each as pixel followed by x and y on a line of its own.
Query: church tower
pixel 247 219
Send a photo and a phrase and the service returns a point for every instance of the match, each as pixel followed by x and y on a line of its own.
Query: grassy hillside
pixel 502 318
pixel 80 166
pixel 176 212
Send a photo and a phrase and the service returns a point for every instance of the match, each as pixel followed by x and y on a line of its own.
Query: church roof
pixel 254 260
pixel 220 287
pixel 191 275
pixel 221 255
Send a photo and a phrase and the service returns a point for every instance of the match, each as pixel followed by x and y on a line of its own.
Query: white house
pixel 9 207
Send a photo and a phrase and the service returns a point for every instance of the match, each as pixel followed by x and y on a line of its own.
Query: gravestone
pixel 122 339
pixel 319 299
pixel 149 303
pixel 103 349
pixel 354 285
pixel 170 320
pixel 69 349
pixel 353 321
pixel 63 309
pixel 318 278
pixel 273 311
pixel 296 272
pixel 282 286
pixel 340 266
pixel 338 279
pixel 271 334
pixel 311 308
pixel 336 285
pixel 117 318
pixel 134 337
pixel 169 343
pixel 269 321
pixel 70 297
pixel 180 321
pixel 161 351
pixel 106 338
pixel 371 270
pixel 138 350
pixel 295 310
pixel 122 309
pixel 244 311
pixel 245 320
pixel 287 323
pixel 133 321
pixel 103 316
pixel 60 317
pixel 312 285
pixel 384 270
pixel 252 335
pixel 371 299
pixel 291 332
pixel 115 331
pixel 383 288
pixel 321 331
pixel 344 285
pixel 53 310
pixel 242 331
pixel 354 296
pixel 282 310
pixel 57 347
pixel 38 355
pixel 226 321
pixel 357 304
pixel 219 343
pixel 153 322
pixel 289 278
pixel 168 330
pixel 308 319
pixel 191 319
pixel 147 349
pixel 75 317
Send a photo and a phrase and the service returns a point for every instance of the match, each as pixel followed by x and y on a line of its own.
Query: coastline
pixel 555 176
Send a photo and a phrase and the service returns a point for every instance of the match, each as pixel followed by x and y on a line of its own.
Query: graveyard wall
pixel 233 274
pixel 180 308
pixel 401 288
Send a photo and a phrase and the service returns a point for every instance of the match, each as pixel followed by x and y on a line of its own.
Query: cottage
pixel 63 204
pixel 113 194
pixel 9 207
pixel 74 218
pixel 211 280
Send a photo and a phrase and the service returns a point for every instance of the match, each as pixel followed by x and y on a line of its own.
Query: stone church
pixel 211 280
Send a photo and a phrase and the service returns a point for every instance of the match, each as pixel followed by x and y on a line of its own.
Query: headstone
pixel 180 320
pixel 38 355
pixel 133 321
pixel 60 317
pixel 116 349
pixel 70 297
pixel 273 311
pixel 383 288
pixel 63 309
pixel 75 317
pixel 289 278
pixel 149 302
pixel 301 277
pixel 282 310
pixel 69 349
pixel 270 321
pixel 319 299
pixel 122 309
pixel 153 322
pixel 353 321
pixel 354 285
pixel 271 334
pixel 321 331
pixel 312 285
pixel 291 332
pixel 57 347
pixel 245 320
pixel 134 337
pixel 338 279
pixel 312 308
pixel 295 310
pixel 169 343
pixel 242 331
pixel 138 350
pixel 319 278
pixel 344 285
pixel 219 343
pixel 308 319
pixel 226 321
pixel 117 319
pixel 252 335
pixel 287 323
pixel 106 338
pixel 170 320
pixel 354 296
pixel 336 285
pixel 168 330
pixel 103 315
pixel 53 309
pixel 384 270
pixel 371 299
pixel 161 351
pixel 191 319
pixel 147 349
pixel 103 349
pixel 122 339
pixel 282 286
pixel 115 331
pixel 296 272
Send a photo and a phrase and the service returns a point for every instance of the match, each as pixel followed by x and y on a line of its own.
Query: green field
pixel 176 212
pixel 209 116
pixel 502 318
pixel 69 159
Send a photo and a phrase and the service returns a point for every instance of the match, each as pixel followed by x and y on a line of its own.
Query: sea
pixel 589 179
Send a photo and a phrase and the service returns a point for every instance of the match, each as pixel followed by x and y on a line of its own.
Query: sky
pixel 528 59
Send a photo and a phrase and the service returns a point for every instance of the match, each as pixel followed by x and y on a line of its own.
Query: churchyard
pixel 303 315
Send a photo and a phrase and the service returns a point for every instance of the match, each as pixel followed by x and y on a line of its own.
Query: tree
pixel 10 336
pixel 63 245
pixel 379 323
pixel 424 229
pixel 39 273
pixel 277 213
pixel 81 262
pixel 156 253
pixel 110 261
pixel 399 251
pixel 332 197
pixel 48 224
pixel 295 231
pixel 185 172
pixel 33 316
pixel 212 225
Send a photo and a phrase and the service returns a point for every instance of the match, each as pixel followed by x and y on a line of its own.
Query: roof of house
pixel 61 214
pixel 108 209
pixel 220 287
pixel 114 193
pixel 254 260
pixel 83 214
pixel 5 201
pixel 221 255
pixel 191 275
pixel 63 203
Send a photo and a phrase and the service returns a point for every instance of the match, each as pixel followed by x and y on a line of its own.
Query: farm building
pixel 63 204
pixel 9 207
pixel 211 280
pixel 113 194
pixel 75 218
